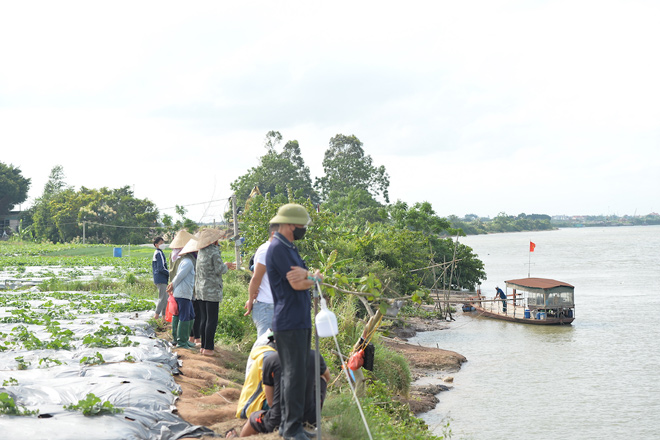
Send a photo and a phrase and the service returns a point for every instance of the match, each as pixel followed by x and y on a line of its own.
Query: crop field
pixel 82 362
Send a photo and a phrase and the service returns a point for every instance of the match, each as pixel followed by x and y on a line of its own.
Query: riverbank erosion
pixel 211 385
pixel 431 367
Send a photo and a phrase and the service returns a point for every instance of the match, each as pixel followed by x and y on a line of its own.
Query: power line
pixel 123 227
pixel 196 204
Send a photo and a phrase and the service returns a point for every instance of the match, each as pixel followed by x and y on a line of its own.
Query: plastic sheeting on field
pixel 136 378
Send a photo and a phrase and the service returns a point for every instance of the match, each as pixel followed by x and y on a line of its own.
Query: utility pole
pixel 235 216
pixel 84 223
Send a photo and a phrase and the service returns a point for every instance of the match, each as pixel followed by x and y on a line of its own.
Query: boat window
pixel 535 299
pixel 554 300
pixel 564 299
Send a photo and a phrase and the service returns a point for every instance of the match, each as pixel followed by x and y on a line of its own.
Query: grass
pixel 387 419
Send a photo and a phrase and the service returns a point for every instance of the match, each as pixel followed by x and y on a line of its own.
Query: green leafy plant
pixel 8 406
pixel 93 406
pixel 10 382
pixel 130 278
pixel 22 365
pixel 105 342
pixel 97 359
pixel 118 330
pixel 47 362
pixel 129 358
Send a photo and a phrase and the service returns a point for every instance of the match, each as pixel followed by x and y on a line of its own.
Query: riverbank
pixel 431 368
pixel 211 385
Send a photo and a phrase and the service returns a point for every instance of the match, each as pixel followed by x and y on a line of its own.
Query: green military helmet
pixel 292 214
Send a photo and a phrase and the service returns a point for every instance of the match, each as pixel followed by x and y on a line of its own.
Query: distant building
pixel 10 221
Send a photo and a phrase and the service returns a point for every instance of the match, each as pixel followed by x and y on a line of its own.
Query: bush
pixel 387 418
pixel 233 327
pixel 391 368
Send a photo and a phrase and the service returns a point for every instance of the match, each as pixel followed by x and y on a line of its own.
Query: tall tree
pixel 347 167
pixel 42 212
pixel 55 182
pixel 277 172
pixel 13 187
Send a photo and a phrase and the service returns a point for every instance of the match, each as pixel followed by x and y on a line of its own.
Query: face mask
pixel 161 246
pixel 299 233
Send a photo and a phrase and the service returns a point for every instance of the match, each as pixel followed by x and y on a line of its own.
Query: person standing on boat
pixel 500 294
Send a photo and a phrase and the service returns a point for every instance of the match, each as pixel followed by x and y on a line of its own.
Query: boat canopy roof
pixel 540 285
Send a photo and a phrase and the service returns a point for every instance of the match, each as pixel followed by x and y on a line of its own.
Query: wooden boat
pixel 539 301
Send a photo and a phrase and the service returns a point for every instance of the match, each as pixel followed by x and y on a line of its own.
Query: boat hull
pixel 521 319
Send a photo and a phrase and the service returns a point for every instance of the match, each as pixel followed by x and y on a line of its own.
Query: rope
pixel 350 384
pixel 345 368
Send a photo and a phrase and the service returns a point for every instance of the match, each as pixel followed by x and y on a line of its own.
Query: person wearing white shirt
pixel 260 301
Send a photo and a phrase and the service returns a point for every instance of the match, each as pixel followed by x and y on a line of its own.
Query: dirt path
pixel 211 385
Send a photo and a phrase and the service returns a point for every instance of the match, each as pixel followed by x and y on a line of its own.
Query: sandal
pixel 231 433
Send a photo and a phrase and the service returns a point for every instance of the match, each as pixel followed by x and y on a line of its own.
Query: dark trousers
pixel 195 332
pixel 293 349
pixel 208 311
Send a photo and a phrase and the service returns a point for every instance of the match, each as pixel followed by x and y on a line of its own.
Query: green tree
pixel 44 210
pixel 347 167
pixel 171 227
pixel 468 270
pixel 56 182
pixel 470 225
pixel 116 216
pixel 276 172
pixel 503 223
pixel 110 216
pixel 13 187
pixel 363 250
pixel 357 207
pixel 420 217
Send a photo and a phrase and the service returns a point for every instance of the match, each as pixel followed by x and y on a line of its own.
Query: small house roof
pixel 540 284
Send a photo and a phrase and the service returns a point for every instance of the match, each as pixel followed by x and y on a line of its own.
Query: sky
pixel 478 106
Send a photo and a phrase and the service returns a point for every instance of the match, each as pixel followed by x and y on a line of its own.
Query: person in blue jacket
pixel 161 275
pixel 500 294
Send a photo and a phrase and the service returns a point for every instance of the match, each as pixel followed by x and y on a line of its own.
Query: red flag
pixel 532 245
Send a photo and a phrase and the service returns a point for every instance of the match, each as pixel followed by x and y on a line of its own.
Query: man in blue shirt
pixel 500 294
pixel 290 282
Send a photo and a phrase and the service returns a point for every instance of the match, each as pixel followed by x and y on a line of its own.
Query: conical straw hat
pixel 207 236
pixel 191 246
pixel 180 239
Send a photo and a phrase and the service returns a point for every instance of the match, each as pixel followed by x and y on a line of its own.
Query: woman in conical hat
pixel 208 284
pixel 181 288
pixel 178 242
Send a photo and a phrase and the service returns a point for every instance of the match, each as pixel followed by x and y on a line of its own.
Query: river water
pixel 598 378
